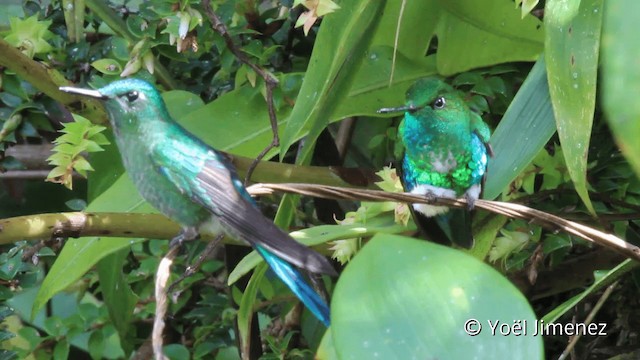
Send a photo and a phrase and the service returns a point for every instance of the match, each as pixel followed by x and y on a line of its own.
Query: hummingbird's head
pixel 432 99
pixel 126 100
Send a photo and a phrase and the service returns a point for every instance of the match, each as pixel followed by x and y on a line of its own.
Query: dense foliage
pixel 564 143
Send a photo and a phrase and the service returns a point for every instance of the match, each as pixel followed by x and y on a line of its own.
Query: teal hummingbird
pixel 196 186
pixel 446 150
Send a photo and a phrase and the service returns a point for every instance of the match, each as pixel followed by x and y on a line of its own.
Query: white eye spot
pixel 132 96
pixel 439 103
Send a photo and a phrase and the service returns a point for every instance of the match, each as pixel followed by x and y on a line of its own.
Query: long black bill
pixel 84 92
pixel 405 108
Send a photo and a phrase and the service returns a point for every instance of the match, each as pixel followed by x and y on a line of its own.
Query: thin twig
pixel 395 41
pixel 588 320
pixel 270 81
pixel 191 269
pixel 512 210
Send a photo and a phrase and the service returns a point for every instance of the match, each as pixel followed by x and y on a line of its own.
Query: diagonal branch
pixel 270 81
pixel 512 210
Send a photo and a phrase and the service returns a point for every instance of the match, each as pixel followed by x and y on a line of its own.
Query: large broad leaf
pixel 80 255
pixel 470 34
pixel 621 77
pixel 523 131
pixel 571 50
pixel 340 47
pixel 402 298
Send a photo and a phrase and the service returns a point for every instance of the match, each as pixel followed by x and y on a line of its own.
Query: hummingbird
pixel 196 186
pixel 446 150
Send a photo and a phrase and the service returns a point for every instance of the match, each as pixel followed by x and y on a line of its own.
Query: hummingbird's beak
pixel 405 108
pixel 84 92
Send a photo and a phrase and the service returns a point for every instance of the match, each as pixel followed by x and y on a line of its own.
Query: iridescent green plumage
pixel 445 145
pixel 196 186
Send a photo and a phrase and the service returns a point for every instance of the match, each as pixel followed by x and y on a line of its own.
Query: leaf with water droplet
pixel 569 52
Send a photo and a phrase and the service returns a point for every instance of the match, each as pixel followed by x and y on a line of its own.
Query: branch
pixel 270 81
pixel 47 80
pixel 78 224
pixel 34 157
pixel 511 210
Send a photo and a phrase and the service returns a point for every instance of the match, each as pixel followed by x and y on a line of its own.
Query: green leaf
pixel 571 46
pixel 529 123
pixel 527 6
pixel 338 52
pixel 96 344
pixel 405 298
pixel 30 35
pixel 176 352
pixel 601 281
pixel 245 310
pixel 61 350
pixel 107 66
pixel 621 78
pixel 321 234
pixel 80 255
pixel 492 30
pixel 118 296
pixel 327 350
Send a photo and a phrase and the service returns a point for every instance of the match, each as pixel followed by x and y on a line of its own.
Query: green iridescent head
pixel 433 99
pixel 128 101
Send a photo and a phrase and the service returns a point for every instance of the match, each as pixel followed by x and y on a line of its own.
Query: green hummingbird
pixel 446 150
pixel 196 186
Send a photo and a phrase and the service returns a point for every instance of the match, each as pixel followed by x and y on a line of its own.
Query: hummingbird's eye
pixel 439 103
pixel 132 96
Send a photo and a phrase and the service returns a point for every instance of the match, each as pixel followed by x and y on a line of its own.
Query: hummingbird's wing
pixel 209 180
pixel 237 210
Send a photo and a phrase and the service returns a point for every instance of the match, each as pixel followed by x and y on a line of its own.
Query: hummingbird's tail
pixel 451 227
pixel 296 282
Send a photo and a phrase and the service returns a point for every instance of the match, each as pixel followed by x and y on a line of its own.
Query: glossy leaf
pixel 524 130
pixel 405 298
pixel 107 66
pixel 621 78
pixel 493 31
pixel 342 41
pixel 571 53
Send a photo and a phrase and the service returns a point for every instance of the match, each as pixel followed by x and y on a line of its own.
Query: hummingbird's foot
pixel 186 234
pixel 470 202
pixel 471 195
pixel 194 267
pixel 430 197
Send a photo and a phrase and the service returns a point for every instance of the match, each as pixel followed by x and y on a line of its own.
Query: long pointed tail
pixel 296 282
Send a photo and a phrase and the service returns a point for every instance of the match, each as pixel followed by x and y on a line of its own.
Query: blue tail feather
pixel 296 282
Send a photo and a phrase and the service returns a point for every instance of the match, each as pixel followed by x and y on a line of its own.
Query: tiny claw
pixel 430 197
pixel 471 202
pixel 186 234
